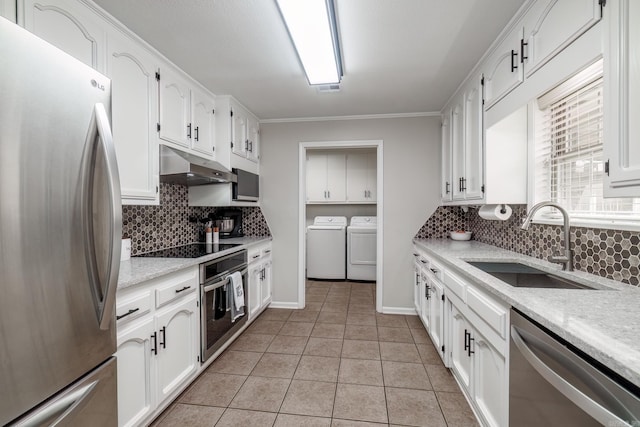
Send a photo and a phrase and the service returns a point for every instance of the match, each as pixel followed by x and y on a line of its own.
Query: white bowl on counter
pixel 457 235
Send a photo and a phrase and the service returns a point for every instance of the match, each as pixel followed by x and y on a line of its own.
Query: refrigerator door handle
pixel 57 410
pixel 100 132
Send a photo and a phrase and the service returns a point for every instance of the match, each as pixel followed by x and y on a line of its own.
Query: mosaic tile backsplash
pixel 613 254
pixel 158 227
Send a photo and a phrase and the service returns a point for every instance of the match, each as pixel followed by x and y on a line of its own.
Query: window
pixel 569 163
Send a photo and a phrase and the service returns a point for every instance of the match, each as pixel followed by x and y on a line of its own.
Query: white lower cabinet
pixel 490 392
pixel 436 316
pixel 459 344
pixel 158 344
pixel 260 292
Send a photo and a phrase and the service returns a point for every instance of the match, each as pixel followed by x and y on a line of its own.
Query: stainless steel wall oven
pixel 216 323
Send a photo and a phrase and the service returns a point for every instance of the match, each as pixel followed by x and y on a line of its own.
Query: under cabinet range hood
pixel 178 167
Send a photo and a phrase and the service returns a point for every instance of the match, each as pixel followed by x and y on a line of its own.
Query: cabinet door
pixel 490 388
pixel 473 142
pixel 203 108
pixel 239 135
pixel 253 134
pixel 622 99
pixel 372 177
pixel 178 345
pixel 69 26
pixel 460 359
pixel 255 289
pixel 445 181
pixel 551 25
pixel 417 289
pixel 316 177
pixel 357 173
pixel 425 299
pixel 175 108
pixel 265 292
pixel 457 150
pixel 135 396
pixel 436 316
pixel 134 117
pixel 336 177
pixel 502 69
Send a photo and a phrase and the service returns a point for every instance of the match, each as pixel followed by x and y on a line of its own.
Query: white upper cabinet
pixel 245 132
pixel 326 173
pixel 622 99
pixel 175 108
pixel 446 182
pixel 361 177
pixel 551 25
pixel 502 69
pixel 68 25
pixel 473 141
pixel 134 114
pixel 204 124
pixel 457 149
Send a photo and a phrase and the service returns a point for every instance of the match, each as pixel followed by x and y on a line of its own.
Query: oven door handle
pixel 222 282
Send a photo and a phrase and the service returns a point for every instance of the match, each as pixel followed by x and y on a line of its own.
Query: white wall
pixel 411 192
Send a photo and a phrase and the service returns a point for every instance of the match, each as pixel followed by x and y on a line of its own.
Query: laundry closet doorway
pixel 330 199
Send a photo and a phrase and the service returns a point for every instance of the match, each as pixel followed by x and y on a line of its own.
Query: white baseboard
pixel 281 304
pixel 399 310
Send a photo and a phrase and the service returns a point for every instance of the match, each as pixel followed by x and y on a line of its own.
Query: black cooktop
pixel 193 250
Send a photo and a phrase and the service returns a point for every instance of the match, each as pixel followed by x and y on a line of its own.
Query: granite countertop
pixel 604 323
pixel 138 270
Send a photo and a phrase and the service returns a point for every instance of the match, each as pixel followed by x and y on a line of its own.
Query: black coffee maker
pixel 229 223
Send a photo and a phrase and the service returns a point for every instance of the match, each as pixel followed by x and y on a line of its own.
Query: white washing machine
pixel 361 248
pixel 326 247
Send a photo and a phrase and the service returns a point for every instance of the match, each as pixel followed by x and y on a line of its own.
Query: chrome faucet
pixel 567 258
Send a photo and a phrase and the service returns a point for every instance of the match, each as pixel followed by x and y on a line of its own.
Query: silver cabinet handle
pixel 593 408
pixel 99 135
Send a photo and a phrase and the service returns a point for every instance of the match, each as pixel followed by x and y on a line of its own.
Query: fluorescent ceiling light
pixel 312 28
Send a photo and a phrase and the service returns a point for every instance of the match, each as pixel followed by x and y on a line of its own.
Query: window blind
pixel 569 155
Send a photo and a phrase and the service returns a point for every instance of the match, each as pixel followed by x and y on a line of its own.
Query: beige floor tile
pixel 328 330
pixel 276 365
pixel 414 322
pixel 429 354
pixel 297 329
pixel 281 314
pixel 235 362
pixel 318 368
pixel 261 394
pixel 420 336
pixel 213 389
pixel 413 407
pixel 357 349
pixel 303 316
pixel 361 332
pixel 333 307
pixel 342 299
pixel 317 291
pixel 356 371
pixel 456 410
pixel 405 375
pixel 287 344
pixel 394 334
pixel 191 416
pixel 360 402
pixel 323 347
pixel 239 417
pixel 441 378
pixel 314 298
pixel 288 420
pixel 362 319
pixel 351 423
pixel 309 398
pixel 332 317
pixel 269 327
pixel 362 308
pixel 399 352
pixel 313 306
pixel 391 320
pixel 361 299
pixel 252 342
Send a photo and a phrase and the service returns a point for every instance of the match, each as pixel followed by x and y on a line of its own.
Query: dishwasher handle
pixel 584 402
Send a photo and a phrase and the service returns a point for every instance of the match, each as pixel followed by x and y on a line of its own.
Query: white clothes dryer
pixel 326 248
pixel 361 248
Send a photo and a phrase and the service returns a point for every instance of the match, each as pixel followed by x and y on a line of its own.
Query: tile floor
pixel 335 363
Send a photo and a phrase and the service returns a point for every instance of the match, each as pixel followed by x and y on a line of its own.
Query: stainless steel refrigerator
pixel 60 231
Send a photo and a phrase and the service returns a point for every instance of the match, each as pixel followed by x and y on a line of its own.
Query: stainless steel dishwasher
pixel 551 383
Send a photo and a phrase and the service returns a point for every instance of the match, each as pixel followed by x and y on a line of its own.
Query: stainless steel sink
pixel 524 276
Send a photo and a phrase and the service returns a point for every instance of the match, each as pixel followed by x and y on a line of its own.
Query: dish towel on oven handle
pixel 235 296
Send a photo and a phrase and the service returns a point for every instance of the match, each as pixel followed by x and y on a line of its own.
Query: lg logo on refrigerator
pixel 97 85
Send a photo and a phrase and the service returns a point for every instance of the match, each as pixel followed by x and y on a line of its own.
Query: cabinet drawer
pixel 134 307
pixel 455 284
pixel 494 315
pixel 175 290
pixel 266 251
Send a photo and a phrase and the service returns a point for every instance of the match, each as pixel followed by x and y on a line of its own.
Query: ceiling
pixel 399 56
